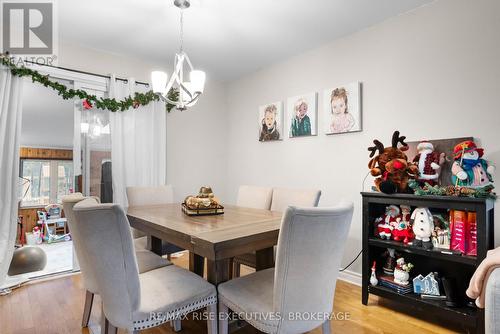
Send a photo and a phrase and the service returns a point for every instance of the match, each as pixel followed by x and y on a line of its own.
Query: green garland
pixel 427 189
pixel 100 103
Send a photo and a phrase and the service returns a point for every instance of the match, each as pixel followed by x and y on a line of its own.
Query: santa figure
pixel 402 231
pixel 387 223
pixel 468 169
pixel 429 163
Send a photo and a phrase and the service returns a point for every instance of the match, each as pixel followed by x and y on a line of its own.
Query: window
pixel 48 181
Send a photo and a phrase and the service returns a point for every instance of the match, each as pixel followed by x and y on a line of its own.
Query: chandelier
pixel 188 91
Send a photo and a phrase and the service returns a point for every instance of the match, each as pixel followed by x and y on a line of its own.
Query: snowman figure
pixel 468 169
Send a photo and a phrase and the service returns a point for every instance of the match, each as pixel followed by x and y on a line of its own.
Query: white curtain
pixel 10 130
pixel 138 142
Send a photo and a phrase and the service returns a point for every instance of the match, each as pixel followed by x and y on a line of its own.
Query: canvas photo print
pixel 271 122
pixel 302 115
pixel 342 109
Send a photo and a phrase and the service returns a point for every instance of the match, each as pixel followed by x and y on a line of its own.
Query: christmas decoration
pixel 480 192
pixel 402 230
pixel 402 271
pixel 468 169
pixel 390 261
pixel 427 285
pixel 441 235
pixel 385 224
pixel 429 163
pixel 423 226
pixel 100 103
pixel 373 277
pixel 87 105
pixel 391 165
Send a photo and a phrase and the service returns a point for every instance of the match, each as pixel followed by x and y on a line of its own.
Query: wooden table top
pixel 237 231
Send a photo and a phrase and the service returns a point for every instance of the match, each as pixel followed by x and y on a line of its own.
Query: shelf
pixel 444 202
pixel 435 254
pixel 465 313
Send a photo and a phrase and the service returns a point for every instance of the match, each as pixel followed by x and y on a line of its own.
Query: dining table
pixel 216 238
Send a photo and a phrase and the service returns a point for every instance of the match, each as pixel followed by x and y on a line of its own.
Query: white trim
pixel 351 277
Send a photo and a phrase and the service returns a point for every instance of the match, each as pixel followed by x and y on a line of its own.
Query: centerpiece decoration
pixel 205 203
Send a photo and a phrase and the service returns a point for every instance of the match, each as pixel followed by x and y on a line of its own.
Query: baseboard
pixel 350 277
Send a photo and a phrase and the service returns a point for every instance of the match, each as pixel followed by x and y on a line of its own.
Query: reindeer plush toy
pixel 391 166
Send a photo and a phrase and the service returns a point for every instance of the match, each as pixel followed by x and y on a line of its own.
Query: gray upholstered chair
pixel 254 197
pixel 146 260
pixel 269 299
pixel 131 300
pixel 492 302
pixel 140 196
pixel 281 199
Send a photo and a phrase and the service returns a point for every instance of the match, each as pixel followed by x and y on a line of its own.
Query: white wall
pixel 196 145
pixel 431 73
pixel 83 58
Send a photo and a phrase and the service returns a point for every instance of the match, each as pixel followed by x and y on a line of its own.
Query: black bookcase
pixel 458 266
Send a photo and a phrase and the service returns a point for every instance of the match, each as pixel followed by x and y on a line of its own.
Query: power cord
pixel 360 252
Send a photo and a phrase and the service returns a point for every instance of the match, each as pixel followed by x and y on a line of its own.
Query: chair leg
pixel 223 318
pixel 212 319
pixel 106 326
pixel 231 268
pixel 236 269
pixel 87 309
pixel 325 328
pixel 177 325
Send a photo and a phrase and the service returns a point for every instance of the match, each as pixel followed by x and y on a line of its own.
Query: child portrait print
pixel 271 122
pixel 342 109
pixel 302 115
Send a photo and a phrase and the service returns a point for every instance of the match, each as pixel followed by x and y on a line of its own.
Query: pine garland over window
pixel 66 93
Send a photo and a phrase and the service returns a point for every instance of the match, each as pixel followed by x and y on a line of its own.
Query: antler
pixel 397 139
pixel 378 146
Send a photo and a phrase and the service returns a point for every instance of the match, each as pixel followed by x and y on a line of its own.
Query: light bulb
pixel 159 81
pixel 197 81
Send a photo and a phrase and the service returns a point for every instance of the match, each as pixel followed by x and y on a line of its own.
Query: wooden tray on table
pixel 218 210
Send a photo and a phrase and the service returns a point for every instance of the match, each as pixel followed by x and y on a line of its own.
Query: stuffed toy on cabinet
pixel 391 166
pixel 469 169
pixel 429 163
pixel 386 224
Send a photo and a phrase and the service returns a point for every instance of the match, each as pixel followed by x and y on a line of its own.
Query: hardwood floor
pixel 55 307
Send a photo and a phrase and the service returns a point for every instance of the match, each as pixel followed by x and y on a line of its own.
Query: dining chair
pixel 146 260
pixel 131 300
pixel 280 200
pixel 141 196
pixel 283 299
pixel 254 197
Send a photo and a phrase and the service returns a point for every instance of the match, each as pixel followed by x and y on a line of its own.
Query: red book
pixel 458 221
pixel 471 236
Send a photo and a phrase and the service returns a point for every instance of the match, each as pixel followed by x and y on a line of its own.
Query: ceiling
pixel 226 38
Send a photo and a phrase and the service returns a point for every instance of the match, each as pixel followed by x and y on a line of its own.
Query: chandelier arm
pixel 185 89
pixel 194 100
pixel 196 96
pixel 188 61
pixel 175 76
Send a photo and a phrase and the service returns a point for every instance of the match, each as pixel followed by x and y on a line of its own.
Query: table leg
pixel 264 258
pixel 196 264
pixel 156 246
pixel 218 271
